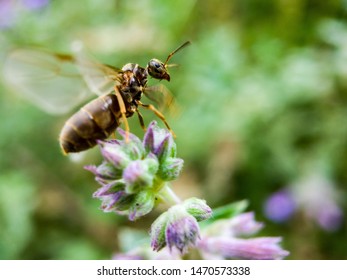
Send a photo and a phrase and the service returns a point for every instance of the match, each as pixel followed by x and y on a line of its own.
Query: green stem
pixel 168 195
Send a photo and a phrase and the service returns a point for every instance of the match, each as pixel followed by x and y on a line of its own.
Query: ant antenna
pixel 175 51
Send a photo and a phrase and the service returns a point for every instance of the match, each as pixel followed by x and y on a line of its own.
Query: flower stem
pixel 168 195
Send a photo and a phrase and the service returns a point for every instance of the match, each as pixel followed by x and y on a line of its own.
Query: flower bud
pixel 133 147
pixel 139 174
pixel 165 149
pixel 114 201
pixel 109 188
pixel 159 142
pixel 170 169
pixel 124 202
pixel 142 205
pixel 158 228
pixel 114 153
pixel 182 229
pixel 175 228
pixel 105 171
pixel 198 208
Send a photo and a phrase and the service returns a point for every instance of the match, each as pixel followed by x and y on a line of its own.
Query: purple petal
pixel 133 172
pixel 158 140
pixel 139 174
pixel 91 168
pixel 164 146
pixel 244 225
pixel 114 153
pixel 132 137
pixel 148 139
pixel 262 248
pixel 182 233
pixel 108 189
pixel 104 172
pixel 109 201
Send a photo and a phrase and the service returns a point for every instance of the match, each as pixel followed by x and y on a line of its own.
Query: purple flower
pixel 222 240
pixel 175 231
pixel 261 248
pixel 280 206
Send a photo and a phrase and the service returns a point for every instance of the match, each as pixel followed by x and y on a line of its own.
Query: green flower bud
pixel 198 208
pixel 170 169
pixel 140 174
pixel 142 205
pixel 158 229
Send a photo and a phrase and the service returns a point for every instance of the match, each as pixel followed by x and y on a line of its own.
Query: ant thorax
pixel 134 80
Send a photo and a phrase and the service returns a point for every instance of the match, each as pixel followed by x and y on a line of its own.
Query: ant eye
pixel 155 64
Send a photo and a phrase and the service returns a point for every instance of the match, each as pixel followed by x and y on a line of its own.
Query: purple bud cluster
pixel 178 227
pixel 134 172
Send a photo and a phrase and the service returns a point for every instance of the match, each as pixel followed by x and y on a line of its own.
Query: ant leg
pixel 123 112
pixel 142 123
pixel 158 114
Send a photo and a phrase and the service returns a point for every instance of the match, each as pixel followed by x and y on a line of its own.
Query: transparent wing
pixel 163 98
pixel 101 78
pixel 50 81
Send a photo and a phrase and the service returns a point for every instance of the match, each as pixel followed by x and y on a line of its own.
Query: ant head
pixel 158 70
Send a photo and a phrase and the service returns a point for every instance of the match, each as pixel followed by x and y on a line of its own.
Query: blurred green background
pixel 262 107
